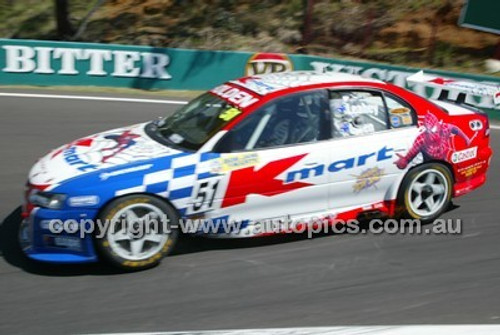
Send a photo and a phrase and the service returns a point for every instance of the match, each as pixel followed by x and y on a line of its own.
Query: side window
pixel 357 113
pixel 297 118
pixel 400 113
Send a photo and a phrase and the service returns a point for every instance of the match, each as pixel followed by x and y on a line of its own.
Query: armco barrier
pixel 45 63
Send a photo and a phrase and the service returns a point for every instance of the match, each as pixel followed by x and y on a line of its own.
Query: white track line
pixel 86 97
pixel 492 126
pixel 348 330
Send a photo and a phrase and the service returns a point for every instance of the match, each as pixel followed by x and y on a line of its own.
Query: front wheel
pixel 426 191
pixel 139 232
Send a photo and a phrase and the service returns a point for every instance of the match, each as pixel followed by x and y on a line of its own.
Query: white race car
pixel 275 148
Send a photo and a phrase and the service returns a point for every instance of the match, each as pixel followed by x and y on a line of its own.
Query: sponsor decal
pixel 229 114
pixel 355 106
pixel 343 164
pixel 345 128
pixel 464 155
pixel 123 141
pixel 93 62
pixel 83 200
pixel 260 181
pixel 395 121
pixel 341 109
pixel 176 138
pixel 407 120
pixel 468 87
pixel 441 81
pixel 434 141
pixel 274 82
pixel 475 125
pixel 471 170
pixel 400 116
pixel 261 63
pixel 257 85
pixel 235 95
pixel 367 179
pixel 106 175
pixel 84 142
pixel 103 150
pixel 67 242
pixel 234 162
pixel 72 158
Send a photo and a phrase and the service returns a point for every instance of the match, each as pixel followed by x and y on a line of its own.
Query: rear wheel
pixel 426 191
pixel 139 232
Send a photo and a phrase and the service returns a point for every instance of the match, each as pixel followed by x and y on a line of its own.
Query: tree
pixel 64 27
pixel 86 19
pixel 308 6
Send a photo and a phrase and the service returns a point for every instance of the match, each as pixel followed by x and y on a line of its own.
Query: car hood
pixel 96 152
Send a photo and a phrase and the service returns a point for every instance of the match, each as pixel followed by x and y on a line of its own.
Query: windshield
pixel 194 124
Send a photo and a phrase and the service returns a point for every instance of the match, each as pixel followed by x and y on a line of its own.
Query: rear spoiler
pixel 463 86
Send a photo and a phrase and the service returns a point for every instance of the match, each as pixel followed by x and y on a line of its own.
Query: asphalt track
pixel 209 284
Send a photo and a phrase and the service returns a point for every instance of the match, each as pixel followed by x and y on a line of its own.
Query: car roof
pixel 274 82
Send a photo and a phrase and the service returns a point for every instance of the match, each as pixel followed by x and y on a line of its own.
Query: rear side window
pixel 401 114
pixel 357 112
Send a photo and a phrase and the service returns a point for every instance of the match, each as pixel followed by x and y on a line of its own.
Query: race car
pixel 267 148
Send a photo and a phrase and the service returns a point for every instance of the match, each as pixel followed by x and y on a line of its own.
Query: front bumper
pixel 42 244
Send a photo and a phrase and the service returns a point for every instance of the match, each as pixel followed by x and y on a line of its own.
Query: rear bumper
pixel 41 244
pixel 473 175
pixel 465 187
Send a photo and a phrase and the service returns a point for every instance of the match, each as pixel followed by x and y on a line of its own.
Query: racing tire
pixel 140 231
pixel 426 192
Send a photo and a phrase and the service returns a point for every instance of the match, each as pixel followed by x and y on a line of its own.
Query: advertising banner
pixel 47 63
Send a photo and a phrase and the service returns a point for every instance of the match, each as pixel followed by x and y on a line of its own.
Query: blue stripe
pixel 182 212
pixel 157 188
pixel 206 175
pixel 181 193
pixel 184 171
pixel 206 156
pixel 166 162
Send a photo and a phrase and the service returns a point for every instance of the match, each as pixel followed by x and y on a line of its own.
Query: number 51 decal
pixel 204 195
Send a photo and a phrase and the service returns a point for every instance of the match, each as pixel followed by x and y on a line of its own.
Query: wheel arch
pixel 437 161
pixel 394 191
pixel 163 199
